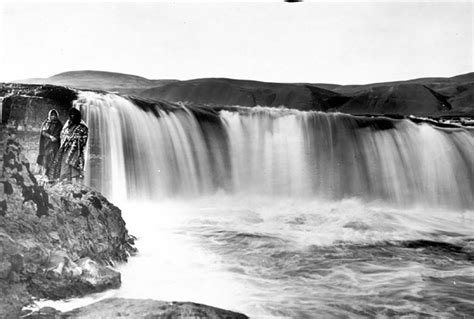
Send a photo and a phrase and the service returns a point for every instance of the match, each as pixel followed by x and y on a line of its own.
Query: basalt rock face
pixel 55 242
pixel 25 107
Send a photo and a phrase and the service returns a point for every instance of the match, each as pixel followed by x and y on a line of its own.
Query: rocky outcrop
pixel 139 308
pixel 25 107
pixel 55 242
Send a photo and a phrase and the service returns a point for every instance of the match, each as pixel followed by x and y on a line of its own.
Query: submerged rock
pixel 55 242
pixel 140 308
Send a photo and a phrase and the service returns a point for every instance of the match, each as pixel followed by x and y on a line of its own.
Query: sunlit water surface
pixel 269 257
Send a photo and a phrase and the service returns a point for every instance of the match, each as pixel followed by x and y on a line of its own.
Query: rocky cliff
pixel 55 242
pixel 25 107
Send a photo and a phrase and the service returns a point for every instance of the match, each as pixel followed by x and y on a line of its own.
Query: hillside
pixel 426 96
pixel 413 99
pixel 218 91
pixel 100 80
pixel 435 96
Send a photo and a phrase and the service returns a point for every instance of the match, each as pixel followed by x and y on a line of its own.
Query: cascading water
pixel 282 213
pixel 279 152
pixel 136 154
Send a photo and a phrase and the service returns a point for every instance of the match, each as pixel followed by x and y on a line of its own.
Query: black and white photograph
pixel 236 159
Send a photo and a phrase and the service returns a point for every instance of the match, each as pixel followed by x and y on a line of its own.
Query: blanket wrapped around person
pixel 70 159
pixel 49 140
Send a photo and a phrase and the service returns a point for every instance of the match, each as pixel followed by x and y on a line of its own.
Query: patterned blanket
pixel 72 149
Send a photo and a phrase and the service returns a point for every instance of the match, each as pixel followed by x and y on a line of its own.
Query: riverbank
pixel 65 241
pixel 57 242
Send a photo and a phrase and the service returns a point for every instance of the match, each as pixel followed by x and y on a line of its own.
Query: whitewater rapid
pixel 295 258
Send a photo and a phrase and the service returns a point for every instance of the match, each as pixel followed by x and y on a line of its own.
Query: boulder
pixel 139 308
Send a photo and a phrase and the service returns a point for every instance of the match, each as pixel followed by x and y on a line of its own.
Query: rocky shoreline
pixel 55 242
pixel 62 241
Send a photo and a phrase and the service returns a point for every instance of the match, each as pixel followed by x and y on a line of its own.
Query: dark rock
pixel 77 195
pixel 3 207
pixel 53 243
pixel 61 95
pixel 44 313
pixel 84 211
pixel 95 202
pixel 7 188
pixel 69 278
pixel 141 308
pixel 28 105
pixel 39 196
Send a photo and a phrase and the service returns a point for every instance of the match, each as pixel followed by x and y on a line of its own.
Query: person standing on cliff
pixel 69 161
pixel 49 141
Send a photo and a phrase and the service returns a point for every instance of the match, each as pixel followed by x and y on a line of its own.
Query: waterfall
pixel 277 152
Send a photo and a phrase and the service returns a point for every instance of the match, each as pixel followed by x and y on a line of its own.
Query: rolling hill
pixel 100 80
pixel 436 96
pixel 427 96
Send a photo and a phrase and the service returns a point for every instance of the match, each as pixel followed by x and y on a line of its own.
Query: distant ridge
pixel 423 96
pixel 100 80
pixel 222 91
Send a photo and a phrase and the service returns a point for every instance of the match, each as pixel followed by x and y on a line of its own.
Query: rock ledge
pixel 139 308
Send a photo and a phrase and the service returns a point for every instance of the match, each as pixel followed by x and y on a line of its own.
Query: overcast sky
pixel 312 41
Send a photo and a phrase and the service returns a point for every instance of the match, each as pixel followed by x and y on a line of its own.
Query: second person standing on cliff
pixel 69 161
pixel 49 141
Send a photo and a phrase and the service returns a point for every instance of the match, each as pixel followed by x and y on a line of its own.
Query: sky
pixel 311 41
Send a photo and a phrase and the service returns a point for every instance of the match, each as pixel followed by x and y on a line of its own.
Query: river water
pixel 282 213
pixel 268 257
